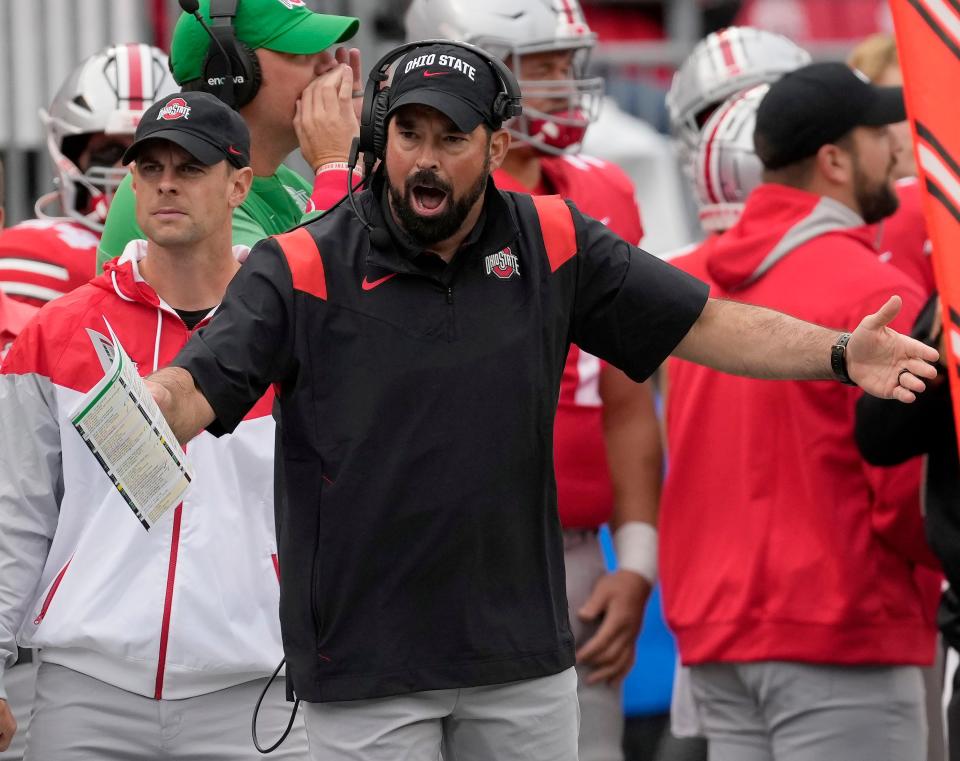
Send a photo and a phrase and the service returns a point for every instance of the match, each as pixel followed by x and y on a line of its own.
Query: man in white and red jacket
pixel 155 644
pixel 788 572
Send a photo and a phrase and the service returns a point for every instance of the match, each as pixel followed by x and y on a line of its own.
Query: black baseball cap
pixel 455 81
pixel 200 123
pixel 817 105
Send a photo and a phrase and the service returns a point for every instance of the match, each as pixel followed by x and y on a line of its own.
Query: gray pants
pixel 79 718
pixel 531 720
pixel 19 682
pixel 779 711
pixel 601 705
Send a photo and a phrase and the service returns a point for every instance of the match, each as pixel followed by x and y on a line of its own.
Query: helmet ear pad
pixel 381 103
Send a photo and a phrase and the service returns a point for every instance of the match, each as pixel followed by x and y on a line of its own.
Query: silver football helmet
pixel 509 29
pixel 107 93
pixel 727 168
pixel 721 64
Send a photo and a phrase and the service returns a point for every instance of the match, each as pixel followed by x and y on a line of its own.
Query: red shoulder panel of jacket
pixel 303 258
pixel 556 225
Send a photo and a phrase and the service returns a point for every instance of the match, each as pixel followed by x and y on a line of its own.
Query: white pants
pixel 79 718
pixel 530 720
pixel 20 681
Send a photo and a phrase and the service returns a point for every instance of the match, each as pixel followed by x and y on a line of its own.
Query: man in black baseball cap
pixel 191 170
pixel 831 106
pixel 444 137
pixel 451 79
pixel 199 123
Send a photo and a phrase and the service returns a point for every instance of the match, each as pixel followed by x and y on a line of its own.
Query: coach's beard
pixel 426 231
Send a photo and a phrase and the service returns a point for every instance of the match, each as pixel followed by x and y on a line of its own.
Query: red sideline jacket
pixel 777 541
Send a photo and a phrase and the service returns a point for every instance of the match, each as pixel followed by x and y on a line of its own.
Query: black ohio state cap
pixel 817 105
pixel 198 122
pixel 455 81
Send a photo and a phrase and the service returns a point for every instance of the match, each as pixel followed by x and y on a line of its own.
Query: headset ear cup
pixel 380 105
pixel 249 69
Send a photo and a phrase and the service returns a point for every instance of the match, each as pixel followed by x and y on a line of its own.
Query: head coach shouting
pixel 417 342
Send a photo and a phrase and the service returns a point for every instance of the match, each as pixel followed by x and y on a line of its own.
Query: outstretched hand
pixel 885 363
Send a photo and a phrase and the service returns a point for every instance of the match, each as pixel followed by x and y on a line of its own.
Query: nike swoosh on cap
pixel 367 285
pixel 234 151
pixel 435 73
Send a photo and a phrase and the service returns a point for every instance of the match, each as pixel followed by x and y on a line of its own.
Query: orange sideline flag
pixel 928 42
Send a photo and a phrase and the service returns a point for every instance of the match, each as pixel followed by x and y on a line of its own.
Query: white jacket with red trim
pixel 190 606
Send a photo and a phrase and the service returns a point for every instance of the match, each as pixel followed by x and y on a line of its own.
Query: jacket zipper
pixel 168 603
pixel 53 590
pixel 451 324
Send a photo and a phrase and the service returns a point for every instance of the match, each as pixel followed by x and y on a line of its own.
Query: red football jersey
pixel 14 317
pixel 603 191
pixel 41 259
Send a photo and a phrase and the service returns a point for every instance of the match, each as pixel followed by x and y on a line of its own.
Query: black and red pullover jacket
pixel 419 542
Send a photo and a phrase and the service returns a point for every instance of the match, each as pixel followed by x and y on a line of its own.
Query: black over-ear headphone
pixel 376 98
pixel 230 68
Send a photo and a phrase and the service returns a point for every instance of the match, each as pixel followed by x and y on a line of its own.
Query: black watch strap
pixel 838 359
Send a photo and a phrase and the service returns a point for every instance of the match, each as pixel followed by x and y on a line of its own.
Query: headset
pixel 376 98
pixel 372 142
pixel 230 69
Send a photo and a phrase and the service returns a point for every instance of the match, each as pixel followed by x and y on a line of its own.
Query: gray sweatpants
pixel 782 711
pixel 79 718
pixel 601 705
pixel 530 720
pixel 19 682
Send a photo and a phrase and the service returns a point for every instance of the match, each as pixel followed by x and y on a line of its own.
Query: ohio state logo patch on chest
pixel 503 264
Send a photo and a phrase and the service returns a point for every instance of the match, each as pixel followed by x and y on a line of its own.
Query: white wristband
pixel 335 165
pixel 636 545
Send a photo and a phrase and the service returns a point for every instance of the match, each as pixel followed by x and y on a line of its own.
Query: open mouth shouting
pixel 429 200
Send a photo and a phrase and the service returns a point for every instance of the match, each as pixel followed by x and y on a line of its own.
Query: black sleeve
pixel 632 309
pixel 248 343
pixel 889 432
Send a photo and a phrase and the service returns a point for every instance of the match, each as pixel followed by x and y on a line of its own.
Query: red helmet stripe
pixel 708 149
pixel 726 49
pixel 135 74
pixel 568 9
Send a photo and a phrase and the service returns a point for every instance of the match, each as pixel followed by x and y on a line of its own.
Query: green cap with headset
pixel 284 26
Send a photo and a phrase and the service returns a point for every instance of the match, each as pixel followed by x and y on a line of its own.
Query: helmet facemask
pixel 574 103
